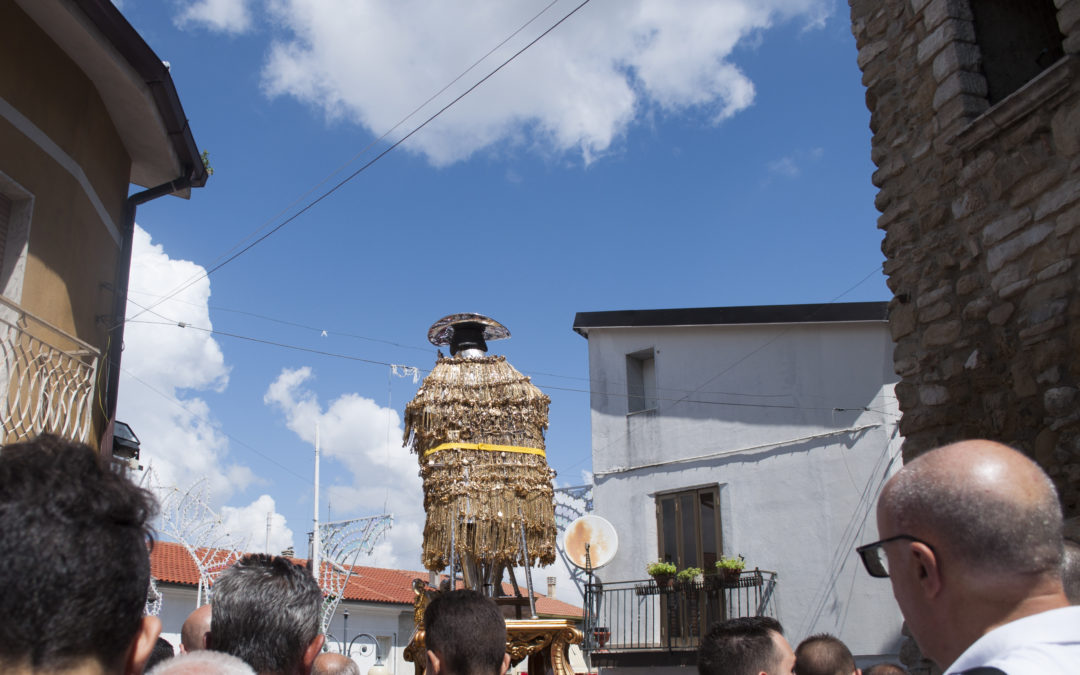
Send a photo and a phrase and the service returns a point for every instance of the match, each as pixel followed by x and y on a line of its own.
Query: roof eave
pixel 847 312
pixel 134 85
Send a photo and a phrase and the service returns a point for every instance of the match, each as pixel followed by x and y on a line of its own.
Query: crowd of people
pixel 971 541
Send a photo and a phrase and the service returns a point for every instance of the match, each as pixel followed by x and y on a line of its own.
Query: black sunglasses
pixel 873 557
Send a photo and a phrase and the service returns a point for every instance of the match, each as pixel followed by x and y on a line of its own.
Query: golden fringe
pixel 482 497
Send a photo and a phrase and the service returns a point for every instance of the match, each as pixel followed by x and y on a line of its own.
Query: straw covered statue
pixel 477 427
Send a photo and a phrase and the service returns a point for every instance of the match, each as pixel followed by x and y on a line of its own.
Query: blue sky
pixel 644 154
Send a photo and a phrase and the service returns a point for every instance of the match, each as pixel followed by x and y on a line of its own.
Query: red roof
pixel 171 563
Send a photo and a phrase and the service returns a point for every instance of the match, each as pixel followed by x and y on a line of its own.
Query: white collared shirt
pixel 1047 643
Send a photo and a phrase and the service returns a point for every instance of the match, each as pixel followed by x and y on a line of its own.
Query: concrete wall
pixel 980 206
pixel 797 479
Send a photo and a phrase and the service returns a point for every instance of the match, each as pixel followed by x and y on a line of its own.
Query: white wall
pixel 797 479
pixel 378 620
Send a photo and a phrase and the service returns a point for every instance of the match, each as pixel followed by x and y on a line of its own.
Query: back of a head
pixel 468 632
pixel 163 651
pixel 202 663
pixel 994 509
pixel 885 669
pixel 74 563
pixel 265 610
pixel 823 654
pixel 1070 571
pixel 329 663
pixel 193 631
pixel 742 646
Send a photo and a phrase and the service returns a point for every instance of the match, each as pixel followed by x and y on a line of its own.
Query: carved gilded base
pixel 545 640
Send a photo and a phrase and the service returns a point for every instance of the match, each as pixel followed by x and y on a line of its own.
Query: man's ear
pixel 312 651
pixel 928 568
pixel 142 645
pixel 434 664
pixel 505 664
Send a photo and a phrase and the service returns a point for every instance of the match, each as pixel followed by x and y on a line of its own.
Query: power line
pixel 376 141
pixel 531 373
pixel 349 357
pixel 284 322
pixel 199 417
pixel 377 157
pixel 736 363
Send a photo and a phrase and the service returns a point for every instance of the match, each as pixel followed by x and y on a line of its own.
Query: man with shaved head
pixel 195 629
pixel 971 539
pixel 329 663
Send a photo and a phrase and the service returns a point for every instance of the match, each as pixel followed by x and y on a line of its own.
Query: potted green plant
pixel 689 577
pixel 730 568
pixel 662 572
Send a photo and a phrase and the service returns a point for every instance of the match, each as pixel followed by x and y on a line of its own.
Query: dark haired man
pixel 74 562
pixel 265 611
pixel 752 645
pixel 163 651
pixel 885 669
pixel 465 634
pixel 971 539
pixel 824 654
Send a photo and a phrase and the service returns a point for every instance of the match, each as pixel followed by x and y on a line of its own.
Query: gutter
pixel 155 75
pixel 120 295
pixel 131 47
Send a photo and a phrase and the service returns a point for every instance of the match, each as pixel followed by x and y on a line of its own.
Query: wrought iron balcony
pixel 627 619
pixel 46 377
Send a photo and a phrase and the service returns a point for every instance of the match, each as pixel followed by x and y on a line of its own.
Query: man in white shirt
pixel 971 539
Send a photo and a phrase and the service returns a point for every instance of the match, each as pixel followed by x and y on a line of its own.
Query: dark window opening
pixel 641 381
pixel 1018 40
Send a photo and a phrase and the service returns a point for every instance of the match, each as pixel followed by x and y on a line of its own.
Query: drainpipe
pixel 123 274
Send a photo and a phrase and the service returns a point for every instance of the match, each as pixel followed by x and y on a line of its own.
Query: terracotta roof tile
pixel 171 563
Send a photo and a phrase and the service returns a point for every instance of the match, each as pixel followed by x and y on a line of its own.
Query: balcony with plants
pixel 661 620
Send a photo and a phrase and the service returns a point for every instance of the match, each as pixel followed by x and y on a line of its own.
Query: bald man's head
pixel 193 632
pixel 328 663
pixel 993 509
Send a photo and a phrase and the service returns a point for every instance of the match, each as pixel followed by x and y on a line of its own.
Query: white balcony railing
pixel 46 377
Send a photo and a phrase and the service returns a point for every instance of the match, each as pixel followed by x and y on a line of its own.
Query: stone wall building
pixel 975 113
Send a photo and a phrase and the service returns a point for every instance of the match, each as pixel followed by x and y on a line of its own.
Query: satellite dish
pixel 595 531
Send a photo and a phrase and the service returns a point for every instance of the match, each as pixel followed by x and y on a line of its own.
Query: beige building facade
pixel 86 110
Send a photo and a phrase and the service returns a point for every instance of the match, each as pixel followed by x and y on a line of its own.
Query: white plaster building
pixel 378 601
pixel 761 431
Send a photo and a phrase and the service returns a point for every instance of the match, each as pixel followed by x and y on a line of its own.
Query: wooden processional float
pixel 477 427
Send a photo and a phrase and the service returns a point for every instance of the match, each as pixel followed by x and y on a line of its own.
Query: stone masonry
pixel 980 205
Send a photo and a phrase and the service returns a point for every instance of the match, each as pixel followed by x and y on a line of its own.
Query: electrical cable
pixel 375 159
pixel 284 322
pixel 349 357
pixel 622 437
pixel 199 417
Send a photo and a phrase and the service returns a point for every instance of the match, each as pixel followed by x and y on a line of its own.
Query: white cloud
pixel 249 523
pixel 577 90
pixel 162 365
pixel 791 166
pixel 785 166
pixel 226 16
pixel 366 439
